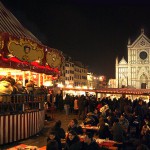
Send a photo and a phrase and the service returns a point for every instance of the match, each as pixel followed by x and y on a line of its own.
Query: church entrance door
pixel 143 86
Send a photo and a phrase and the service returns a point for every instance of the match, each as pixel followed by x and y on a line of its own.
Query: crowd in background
pixel 116 118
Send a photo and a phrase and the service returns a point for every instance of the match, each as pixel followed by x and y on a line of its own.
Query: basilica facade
pixel 135 71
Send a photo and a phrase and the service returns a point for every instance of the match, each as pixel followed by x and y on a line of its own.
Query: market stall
pixel 40 64
pixel 126 92
pixel 26 58
pixel 77 91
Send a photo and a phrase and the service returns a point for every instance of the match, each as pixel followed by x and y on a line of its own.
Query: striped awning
pixel 9 24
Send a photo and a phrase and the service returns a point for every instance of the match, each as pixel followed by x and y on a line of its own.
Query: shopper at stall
pixel 29 92
pixel 10 79
pixel 5 91
pixel 20 88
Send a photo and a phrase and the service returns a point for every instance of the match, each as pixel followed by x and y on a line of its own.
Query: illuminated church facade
pixel 135 72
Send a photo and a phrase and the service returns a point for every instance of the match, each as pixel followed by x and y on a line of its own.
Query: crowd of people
pixel 115 119
pixel 73 141
pixel 13 95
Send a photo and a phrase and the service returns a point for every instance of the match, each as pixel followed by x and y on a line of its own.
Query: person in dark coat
pixel 53 137
pixel 73 125
pixel 52 145
pixel 58 130
pixel 73 141
pixel 103 132
pixel 60 102
pixel 89 143
pixel 117 131
pixel 139 115
pixel 81 108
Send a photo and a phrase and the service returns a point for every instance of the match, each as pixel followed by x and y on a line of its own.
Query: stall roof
pixel 20 49
pixel 11 25
pixel 115 91
pixel 124 91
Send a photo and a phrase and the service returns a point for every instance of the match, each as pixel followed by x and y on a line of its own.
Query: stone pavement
pixel 39 139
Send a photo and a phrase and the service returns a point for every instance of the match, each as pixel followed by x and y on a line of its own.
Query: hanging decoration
pixel 24 54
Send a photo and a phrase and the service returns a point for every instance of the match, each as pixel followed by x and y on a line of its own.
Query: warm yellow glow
pixel 91 88
pixel 5 71
pixel 66 82
pixel 34 76
pixel 78 87
pixel 72 92
pixel 48 83
pixel 60 85
pixel 84 87
pixel 69 86
pixel 101 78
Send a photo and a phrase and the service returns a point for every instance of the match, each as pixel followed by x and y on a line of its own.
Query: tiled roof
pixel 10 24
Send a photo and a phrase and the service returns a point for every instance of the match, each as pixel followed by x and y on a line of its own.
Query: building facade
pixel 73 74
pixel 80 75
pixel 135 72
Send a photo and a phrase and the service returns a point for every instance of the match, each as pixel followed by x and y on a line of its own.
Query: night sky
pixel 93 32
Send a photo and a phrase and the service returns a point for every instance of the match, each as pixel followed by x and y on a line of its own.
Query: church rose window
pixel 143 55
